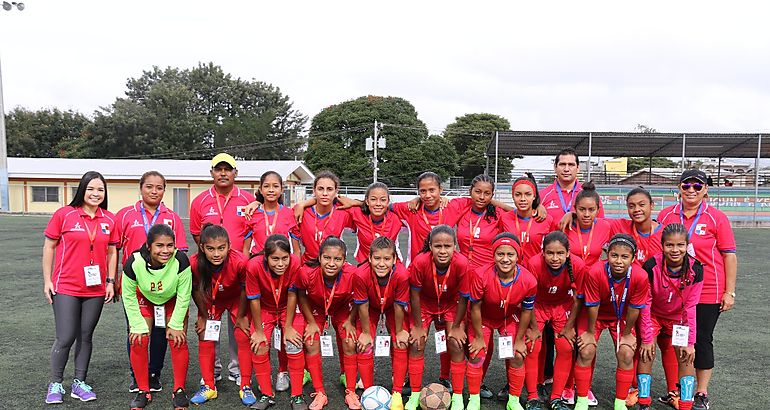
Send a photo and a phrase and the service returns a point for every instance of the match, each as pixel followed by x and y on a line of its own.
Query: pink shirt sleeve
pixel 181 235
pixel 401 293
pixel 195 216
pixel 360 285
pixel 53 229
pixel 725 236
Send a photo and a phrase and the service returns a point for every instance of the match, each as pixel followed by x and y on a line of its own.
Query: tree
pixel 470 134
pixel 43 134
pixel 192 113
pixel 337 136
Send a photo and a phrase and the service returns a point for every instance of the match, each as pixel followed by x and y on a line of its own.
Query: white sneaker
pixel 360 384
pixel 568 396
pixel 592 399
pixel 282 381
pixel 217 378
pixel 234 377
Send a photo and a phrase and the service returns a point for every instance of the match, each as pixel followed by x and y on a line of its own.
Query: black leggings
pixel 75 319
pixel 706 320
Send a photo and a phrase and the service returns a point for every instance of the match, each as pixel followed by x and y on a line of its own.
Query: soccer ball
pixel 435 397
pixel 375 398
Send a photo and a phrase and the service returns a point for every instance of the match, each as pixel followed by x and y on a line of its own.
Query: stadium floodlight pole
pixel 5 204
pixel 590 147
pixel 684 145
pixel 756 176
pixel 497 142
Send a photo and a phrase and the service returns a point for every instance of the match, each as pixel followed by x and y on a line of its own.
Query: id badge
pixel 277 339
pixel 680 335
pixel 690 250
pixel 212 330
pixel 160 316
pixel 327 347
pixel 440 337
pixel 382 346
pixel 93 277
pixel 505 347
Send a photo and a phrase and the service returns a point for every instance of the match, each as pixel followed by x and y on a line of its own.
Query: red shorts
pixel 509 329
pixel 271 320
pixel 557 315
pixel 148 308
pixel 439 318
pixel 390 323
pixel 662 327
pixel 337 318
pixel 229 305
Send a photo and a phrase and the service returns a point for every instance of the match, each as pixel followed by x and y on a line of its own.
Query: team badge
pixel 105 228
pixel 700 229
pixel 239 210
pixel 169 222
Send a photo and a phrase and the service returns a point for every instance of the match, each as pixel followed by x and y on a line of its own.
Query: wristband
pixel 109 280
pixel 731 294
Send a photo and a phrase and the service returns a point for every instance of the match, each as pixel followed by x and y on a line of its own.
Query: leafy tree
pixel 337 136
pixel 43 134
pixel 470 134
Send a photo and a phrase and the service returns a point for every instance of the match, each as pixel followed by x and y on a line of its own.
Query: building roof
pixel 629 144
pixel 172 169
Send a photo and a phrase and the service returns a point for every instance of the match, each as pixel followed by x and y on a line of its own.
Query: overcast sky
pixel 676 66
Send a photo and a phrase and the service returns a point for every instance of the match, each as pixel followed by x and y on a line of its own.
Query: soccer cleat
pixel 502 394
pixel 282 381
pixel 360 384
pixel 234 377
pixel 203 395
pixel 55 393
pixel 633 397
pixel 396 402
pixel 446 383
pixel 568 396
pixel 179 399
pixel 548 380
pixel 319 400
pixel 558 404
pixel 534 404
pixel 298 403
pixel 141 400
pixel 413 403
pixel 352 400
pixel 82 391
pixel 485 393
pixel 701 402
pixel 671 399
pixel 581 403
pixel 513 403
pixel 247 396
pixel 133 387
pixel 620 404
pixel 644 407
pixel 542 393
pixel 457 402
pixel 155 385
pixel 263 403
pixel 474 402
pixel 306 378
pixel 407 389
pixel 592 399
pixel 217 378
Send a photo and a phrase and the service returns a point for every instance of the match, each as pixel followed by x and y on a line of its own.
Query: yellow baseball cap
pixel 222 157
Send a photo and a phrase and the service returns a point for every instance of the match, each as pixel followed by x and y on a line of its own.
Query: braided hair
pixel 561 237
pixel 491 213
pixel 678 229
pixel 204 267
pixel 439 229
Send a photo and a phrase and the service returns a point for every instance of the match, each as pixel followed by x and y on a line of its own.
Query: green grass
pixel 26 336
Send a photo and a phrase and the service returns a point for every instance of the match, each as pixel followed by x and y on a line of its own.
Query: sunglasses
pixel 695 185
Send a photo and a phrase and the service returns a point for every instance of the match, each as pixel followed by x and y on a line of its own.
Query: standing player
pixel 324 291
pixel 436 277
pixel 219 278
pixel 133 223
pixel 158 285
pixel 615 291
pixel 79 266
pixel 676 281
pixel 381 293
pixel 270 275
pixel 502 295
pixel 268 215
pixel 223 204
pixel 558 197
pixel 479 224
pixel 522 222
pixel 588 234
pixel 713 244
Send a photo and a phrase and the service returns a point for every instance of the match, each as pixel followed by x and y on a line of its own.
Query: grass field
pixel 26 335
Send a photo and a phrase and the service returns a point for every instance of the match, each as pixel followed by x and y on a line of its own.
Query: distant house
pixel 45 184
pixel 658 176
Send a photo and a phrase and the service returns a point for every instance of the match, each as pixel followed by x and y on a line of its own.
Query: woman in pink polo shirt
pixel 79 266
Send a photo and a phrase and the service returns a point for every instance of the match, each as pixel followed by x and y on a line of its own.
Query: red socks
pixel 283 361
pixel 351 367
pixel 531 370
pixel 416 369
pixel 561 368
pixel 623 380
pixel 445 364
pixel 244 356
pixel 516 380
pixel 400 361
pixel 583 380
pixel 474 374
pixel 180 360
pixel 206 358
pixel 685 405
pixel 140 359
pixel 366 368
pixel 457 373
pixel 296 365
pixel 316 372
pixel 263 370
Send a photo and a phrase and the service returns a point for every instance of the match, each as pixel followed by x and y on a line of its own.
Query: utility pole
pixel 376 163
pixel 372 144
pixel 5 204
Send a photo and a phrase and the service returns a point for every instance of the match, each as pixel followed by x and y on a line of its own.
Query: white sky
pixel 596 65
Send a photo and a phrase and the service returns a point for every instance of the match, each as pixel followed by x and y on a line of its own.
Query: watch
pixel 731 294
pixel 109 280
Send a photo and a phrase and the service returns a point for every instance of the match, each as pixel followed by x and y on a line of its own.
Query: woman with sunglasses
pixel 712 243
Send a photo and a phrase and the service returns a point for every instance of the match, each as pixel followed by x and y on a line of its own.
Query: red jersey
pixel 132 227
pixel 475 234
pixel 647 243
pixel 227 281
pixel 263 224
pixel 439 290
pixel 529 231
pixel 339 294
pixel 500 303
pixel 556 288
pixel 72 228
pixel 368 229
pixel 420 223
pixel 710 236
pixel 629 291
pixel 588 244
pixel 558 202
pixel 315 228
pixel 212 207
pixel 260 280
pixel 381 297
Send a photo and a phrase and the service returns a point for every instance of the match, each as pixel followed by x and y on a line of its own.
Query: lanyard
pixel 215 289
pixel 443 288
pixel 472 229
pixel 675 287
pixel 154 217
pixel 376 234
pixel 504 303
pixel 694 221
pixel 270 228
pixel 276 291
pixel 318 234
pixel 220 206
pixel 613 297
pixel 91 237
pixel 524 235
pixel 586 249
pixel 328 302
pixel 386 292
pixel 425 218
pixel 564 206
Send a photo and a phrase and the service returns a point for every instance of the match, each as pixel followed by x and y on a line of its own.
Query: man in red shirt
pixel 223 204
pixel 559 197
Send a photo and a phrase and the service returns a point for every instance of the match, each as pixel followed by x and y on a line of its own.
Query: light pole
pixel 5 205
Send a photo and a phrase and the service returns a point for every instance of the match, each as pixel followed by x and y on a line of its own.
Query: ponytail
pixel 445 229
pixel 204 267
pixel 588 191
pixel 491 212
pixel 329 242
